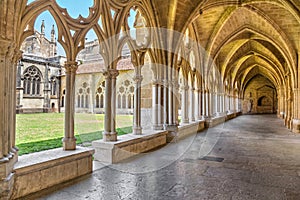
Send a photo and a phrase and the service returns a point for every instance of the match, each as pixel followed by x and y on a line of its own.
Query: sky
pixel 74 7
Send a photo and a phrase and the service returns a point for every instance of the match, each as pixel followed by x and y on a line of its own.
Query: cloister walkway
pixel 250 157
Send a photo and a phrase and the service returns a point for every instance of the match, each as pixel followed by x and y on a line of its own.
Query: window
pixel 53 85
pixel 83 96
pixel 32 81
pixel 100 95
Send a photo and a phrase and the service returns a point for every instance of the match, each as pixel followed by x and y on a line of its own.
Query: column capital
pixel 155 82
pixel 138 78
pixel 71 66
pixel 17 55
pixel 184 87
pixel 111 73
pixel 8 49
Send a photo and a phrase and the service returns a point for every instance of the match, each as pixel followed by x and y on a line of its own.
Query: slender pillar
pixel 110 133
pixel 196 93
pixel 69 141
pixel 155 105
pixel 199 117
pixel 47 91
pixel 165 103
pixel 176 102
pixel 160 105
pixel 184 104
pixel 192 104
pixel 8 152
pixel 296 117
pixel 137 129
pixel 204 104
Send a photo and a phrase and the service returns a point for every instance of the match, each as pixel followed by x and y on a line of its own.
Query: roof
pixel 98 66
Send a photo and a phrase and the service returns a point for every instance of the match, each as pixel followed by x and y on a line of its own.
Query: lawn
pixel 37 132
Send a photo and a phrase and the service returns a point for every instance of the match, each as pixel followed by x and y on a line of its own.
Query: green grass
pixel 38 132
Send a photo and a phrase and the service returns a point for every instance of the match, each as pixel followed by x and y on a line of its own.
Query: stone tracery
pixel 238 50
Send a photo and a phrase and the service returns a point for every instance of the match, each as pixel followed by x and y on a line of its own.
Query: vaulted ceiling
pixel 243 37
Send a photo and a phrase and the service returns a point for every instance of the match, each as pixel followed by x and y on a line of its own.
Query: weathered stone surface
pixel 46 169
pixel 260 162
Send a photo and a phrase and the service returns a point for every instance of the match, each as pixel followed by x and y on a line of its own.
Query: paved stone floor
pixel 261 161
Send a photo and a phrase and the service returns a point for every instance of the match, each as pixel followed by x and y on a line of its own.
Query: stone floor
pixel 261 161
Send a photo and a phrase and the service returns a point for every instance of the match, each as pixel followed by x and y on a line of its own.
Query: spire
pixel 43 27
pixel 53 34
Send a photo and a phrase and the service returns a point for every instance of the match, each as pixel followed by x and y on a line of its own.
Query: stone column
pixel 137 129
pixel 155 102
pixel 184 104
pixel 69 141
pixel 47 91
pixel 8 151
pixel 165 103
pixel 176 102
pixel 19 87
pixel 197 103
pixel 204 104
pixel 192 104
pixel 110 133
pixel 281 110
pixel 296 117
pixel 199 117
pixel 160 111
pixel 208 104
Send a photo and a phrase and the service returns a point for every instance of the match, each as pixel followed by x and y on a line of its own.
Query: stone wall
pixel 260 96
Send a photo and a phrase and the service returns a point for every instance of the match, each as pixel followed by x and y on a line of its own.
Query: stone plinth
pixel 215 121
pixel 128 145
pixel 185 130
pixel 296 126
pixel 42 170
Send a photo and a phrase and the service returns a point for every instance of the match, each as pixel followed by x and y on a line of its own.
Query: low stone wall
pixel 189 129
pixel 230 116
pixel 128 146
pixel 42 170
pixel 296 126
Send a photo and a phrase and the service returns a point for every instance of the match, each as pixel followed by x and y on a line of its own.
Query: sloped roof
pixel 98 67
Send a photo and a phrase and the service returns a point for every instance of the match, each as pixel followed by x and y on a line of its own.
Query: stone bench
pixel 45 169
pixel 128 146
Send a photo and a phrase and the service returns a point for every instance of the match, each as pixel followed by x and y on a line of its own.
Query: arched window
pixel 78 101
pixel 97 101
pixel 86 101
pixel 32 81
pixel 129 101
pixel 119 101
pixel 101 101
pixel 100 95
pixel 62 101
pixel 83 96
pixel 63 98
pixel 53 85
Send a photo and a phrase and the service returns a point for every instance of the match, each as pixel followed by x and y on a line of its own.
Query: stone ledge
pixel 296 126
pixel 45 169
pixel 128 146
pixel 185 130
pixel 215 121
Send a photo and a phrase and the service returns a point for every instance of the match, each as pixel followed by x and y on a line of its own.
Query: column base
pixel 172 132
pixel 109 136
pixel 6 176
pixel 185 121
pixel 137 130
pixel 7 187
pixel 69 144
pixel 296 126
pixel 157 127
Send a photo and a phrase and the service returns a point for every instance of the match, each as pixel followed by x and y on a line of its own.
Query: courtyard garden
pixel 43 131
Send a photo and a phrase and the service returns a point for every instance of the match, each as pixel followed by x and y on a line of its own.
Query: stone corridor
pixel 250 157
